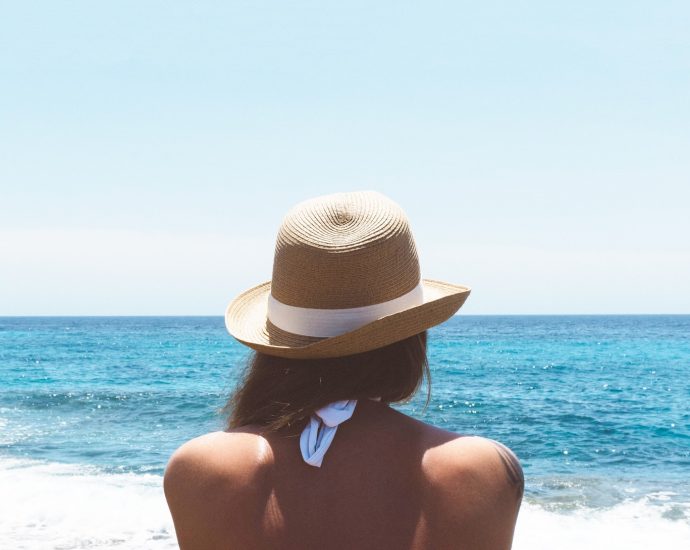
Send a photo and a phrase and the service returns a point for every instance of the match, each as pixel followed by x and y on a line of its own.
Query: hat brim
pixel 246 319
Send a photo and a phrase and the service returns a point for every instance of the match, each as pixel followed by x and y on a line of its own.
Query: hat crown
pixel 343 251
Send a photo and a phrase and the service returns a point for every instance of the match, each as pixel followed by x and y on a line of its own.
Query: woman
pixel 339 333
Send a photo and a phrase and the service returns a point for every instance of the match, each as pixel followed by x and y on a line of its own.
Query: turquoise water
pixel 596 407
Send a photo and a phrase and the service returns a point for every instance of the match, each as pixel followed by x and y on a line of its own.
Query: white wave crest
pixel 46 505
pixel 638 524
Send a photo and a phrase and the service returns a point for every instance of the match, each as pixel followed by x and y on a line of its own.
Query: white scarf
pixel 318 434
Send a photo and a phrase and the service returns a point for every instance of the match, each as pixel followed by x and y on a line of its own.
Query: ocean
pixel 597 408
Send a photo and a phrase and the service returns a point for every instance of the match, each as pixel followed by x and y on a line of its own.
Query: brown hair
pixel 280 393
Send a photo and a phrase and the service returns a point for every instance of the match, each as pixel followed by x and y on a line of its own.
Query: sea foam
pixel 49 505
pixel 633 525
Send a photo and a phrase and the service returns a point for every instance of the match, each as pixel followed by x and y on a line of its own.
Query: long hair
pixel 278 393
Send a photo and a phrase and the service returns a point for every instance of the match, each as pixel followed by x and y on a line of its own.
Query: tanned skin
pixel 388 481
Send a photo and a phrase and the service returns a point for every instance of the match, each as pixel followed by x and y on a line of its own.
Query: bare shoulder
pixel 218 453
pixel 475 486
pixel 478 459
pixel 212 478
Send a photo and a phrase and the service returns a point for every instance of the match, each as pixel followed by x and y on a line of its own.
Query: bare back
pixel 387 481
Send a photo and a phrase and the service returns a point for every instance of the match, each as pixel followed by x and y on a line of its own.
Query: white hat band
pixel 326 323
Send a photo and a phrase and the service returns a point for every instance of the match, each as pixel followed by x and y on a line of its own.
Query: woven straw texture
pixel 342 251
pixel 327 247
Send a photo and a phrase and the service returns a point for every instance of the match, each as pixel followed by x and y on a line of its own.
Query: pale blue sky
pixel 148 150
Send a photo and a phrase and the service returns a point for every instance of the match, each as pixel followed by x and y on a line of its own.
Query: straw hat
pixel 345 280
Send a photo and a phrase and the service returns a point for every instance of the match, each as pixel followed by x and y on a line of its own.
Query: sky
pixel 148 150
